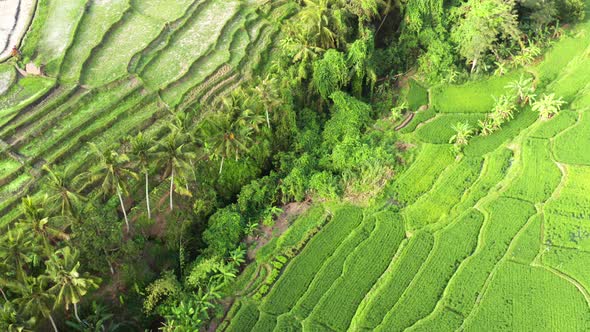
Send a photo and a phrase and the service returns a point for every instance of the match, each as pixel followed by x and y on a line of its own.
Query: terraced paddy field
pixel 496 239
pixel 116 67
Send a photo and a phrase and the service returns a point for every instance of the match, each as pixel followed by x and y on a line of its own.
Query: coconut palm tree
pixel 36 219
pixel 69 285
pixel 267 93
pixel 18 249
pixel 36 300
pixel 230 134
pixel 171 153
pixel 140 151
pixel 112 170
pixel 302 50
pixel 463 132
pixel 548 105
pixel 522 89
pixel 323 27
pixel 64 188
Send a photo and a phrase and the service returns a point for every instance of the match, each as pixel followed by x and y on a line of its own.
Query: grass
pixel 472 97
pixel 439 130
pixel 567 146
pixel 504 218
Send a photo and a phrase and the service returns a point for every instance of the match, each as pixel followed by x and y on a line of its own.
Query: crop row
pixel 480 145
pixel 506 216
pixel 568 214
pixel 332 269
pixel 436 204
pixel 527 298
pixel 57 33
pixel 26 91
pixel 394 281
pixel 303 268
pixel 99 19
pixel 423 173
pixel 495 168
pixel 539 175
pixel 191 43
pixel 567 145
pixel 361 270
pixel 452 245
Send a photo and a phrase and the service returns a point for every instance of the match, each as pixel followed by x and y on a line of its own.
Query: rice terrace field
pixel 489 235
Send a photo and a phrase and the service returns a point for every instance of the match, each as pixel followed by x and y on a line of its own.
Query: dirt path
pixel 290 212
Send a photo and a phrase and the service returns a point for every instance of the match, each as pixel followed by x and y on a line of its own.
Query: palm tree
pixel 302 50
pixel 548 106
pixel 268 94
pixel 36 219
pixel 113 172
pixel 173 155
pixel 69 286
pixel 523 89
pixel 36 300
pixel 140 150
pixel 322 26
pixel 64 190
pixel 463 132
pixel 230 133
pixel 17 249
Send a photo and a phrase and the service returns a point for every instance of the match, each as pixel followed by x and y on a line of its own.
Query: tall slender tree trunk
pixel 123 207
pixel 53 323
pixel 76 313
pixel 171 189
pixel 3 294
pixel 147 194
pixel 108 261
pixel 221 166
pixel 473 65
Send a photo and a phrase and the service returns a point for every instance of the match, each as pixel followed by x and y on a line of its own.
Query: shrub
pixel 224 231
